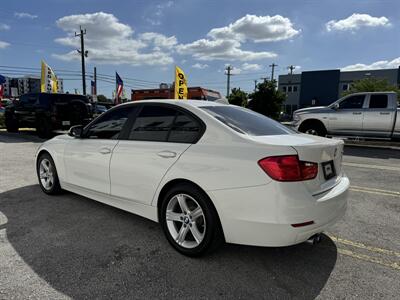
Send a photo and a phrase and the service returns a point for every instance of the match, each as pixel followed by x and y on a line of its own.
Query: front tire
pixel 11 123
pixel 47 175
pixel 313 129
pixel 189 221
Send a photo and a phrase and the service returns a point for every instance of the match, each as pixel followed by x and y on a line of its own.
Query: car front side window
pixel 110 125
pixel 353 102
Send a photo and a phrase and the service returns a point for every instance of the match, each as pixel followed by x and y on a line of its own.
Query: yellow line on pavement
pixel 373 189
pixel 392 265
pixel 363 246
pixel 368 166
pixel 374 192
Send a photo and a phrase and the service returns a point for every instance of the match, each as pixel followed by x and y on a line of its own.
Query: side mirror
pixel 336 106
pixel 76 131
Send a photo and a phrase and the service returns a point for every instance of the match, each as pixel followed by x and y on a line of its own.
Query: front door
pixel 347 119
pixel 87 159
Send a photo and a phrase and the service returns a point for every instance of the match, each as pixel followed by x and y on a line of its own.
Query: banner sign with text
pixel 181 91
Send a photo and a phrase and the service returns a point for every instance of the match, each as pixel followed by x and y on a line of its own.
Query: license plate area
pixel 328 168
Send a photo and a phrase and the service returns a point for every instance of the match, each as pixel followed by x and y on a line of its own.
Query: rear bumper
pixel 262 215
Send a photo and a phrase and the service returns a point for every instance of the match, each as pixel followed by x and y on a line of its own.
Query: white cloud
pixel 225 43
pixel 356 21
pixel 24 15
pixel 200 66
pixel 4 45
pixel 157 12
pixel 159 40
pixel 257 29
pixel 4 26
pixel 251 67
pixel 205 49
pixel 382 64
pixel 111 42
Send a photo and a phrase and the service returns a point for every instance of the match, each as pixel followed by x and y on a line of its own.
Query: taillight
pixel 288 168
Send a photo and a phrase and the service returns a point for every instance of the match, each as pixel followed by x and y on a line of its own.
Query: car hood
pixel 316 109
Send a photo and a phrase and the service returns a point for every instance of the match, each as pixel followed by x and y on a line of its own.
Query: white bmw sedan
pixel 207 172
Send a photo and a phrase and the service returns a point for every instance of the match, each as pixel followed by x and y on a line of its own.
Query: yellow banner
pixel 48 81
pixel 181 90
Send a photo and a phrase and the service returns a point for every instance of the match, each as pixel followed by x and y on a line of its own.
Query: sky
pixel 144 40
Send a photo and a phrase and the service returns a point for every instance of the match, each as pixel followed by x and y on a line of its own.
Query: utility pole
pixel 83 55
pixel 95 80
pixel 272 71
pixel 255 85
pixel 291 68
pixel 228 82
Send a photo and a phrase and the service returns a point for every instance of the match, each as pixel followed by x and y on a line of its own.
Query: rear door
pixel 25 109
pixel 87 160
pixel 348 118
pixel 378 117
pixel 159 135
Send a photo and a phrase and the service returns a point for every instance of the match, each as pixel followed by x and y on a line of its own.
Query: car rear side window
pixel 246 121
pixel 110 124
pixel 378 101
pixel 153 123
pixel 184 130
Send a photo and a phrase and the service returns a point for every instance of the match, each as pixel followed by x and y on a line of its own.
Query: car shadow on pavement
pixel 86 249
pixel 20 137
pixel 370 152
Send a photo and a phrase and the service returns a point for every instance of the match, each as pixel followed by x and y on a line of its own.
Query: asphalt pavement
pixel 71 247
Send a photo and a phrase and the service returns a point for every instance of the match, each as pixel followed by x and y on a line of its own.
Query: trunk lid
pixel 312 149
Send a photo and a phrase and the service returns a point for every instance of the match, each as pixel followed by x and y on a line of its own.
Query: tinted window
pixel 378 101
pixel 184 130
pixel 153 123
pixel 352 102
pixel 109 125
pixel 246 121
pixel 295 88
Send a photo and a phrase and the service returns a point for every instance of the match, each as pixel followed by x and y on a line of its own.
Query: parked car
pixel 48 112
pixel 98 110
pixel 370 115
pixel 208 172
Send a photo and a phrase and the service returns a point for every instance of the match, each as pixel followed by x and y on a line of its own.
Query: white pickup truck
pixel 367 115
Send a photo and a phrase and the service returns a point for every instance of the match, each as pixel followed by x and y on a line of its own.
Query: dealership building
pixel 316 88
pixel 17 86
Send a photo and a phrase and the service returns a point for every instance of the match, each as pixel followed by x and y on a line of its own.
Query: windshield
pixel 246 121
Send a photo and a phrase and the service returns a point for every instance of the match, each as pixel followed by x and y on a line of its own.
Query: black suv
pixel 48 112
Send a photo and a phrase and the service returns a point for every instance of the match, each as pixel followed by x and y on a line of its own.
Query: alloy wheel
pixel 185 221
pixel 46 174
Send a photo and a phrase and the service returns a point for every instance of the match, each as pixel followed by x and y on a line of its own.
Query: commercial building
pixel 17 86
pixel 315 88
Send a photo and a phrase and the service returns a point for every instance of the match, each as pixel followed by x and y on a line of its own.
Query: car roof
pixel 179 102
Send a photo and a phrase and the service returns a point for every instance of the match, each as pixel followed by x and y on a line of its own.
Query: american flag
pixel 120 86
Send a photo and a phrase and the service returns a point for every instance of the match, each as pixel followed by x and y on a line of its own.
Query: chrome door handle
pixel 166 154
pixel 105 150
pixel 356 113
pixel 384 113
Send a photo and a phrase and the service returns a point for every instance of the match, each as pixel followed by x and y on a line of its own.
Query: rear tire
pixel 43 128
pixel 47 175
pixel 197 230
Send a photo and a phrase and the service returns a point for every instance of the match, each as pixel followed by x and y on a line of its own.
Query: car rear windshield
pixel 246 121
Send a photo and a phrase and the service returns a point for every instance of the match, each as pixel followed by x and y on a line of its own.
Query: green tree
pixel 372 85
pixel 238 97
pixel 102 98
pixel 267 100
